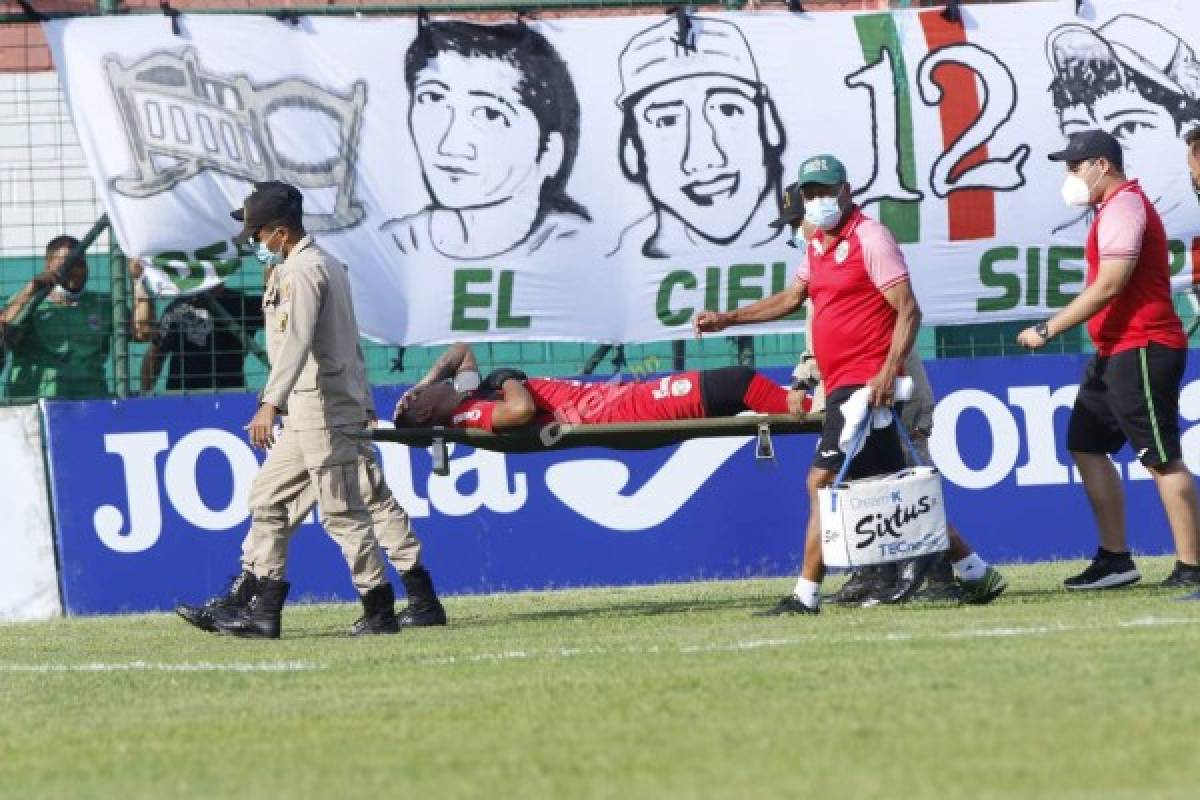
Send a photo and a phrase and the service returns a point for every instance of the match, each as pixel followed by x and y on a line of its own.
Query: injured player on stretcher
pixel 453 395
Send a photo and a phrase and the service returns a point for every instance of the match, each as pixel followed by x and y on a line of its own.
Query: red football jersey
pixel 576 402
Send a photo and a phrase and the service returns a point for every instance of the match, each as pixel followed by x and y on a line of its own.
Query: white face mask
pixel 64 294
pixel 798 241
pixel 824 212
pixel 1076 191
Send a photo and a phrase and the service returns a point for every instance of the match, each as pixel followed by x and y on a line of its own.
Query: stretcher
pixel 618 436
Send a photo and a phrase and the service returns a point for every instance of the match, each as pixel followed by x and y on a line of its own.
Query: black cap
pixel 791 206
pixel 1094 143
pixel 271 201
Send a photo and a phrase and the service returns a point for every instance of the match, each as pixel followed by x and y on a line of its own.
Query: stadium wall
pixel 28 574
pixel 150 496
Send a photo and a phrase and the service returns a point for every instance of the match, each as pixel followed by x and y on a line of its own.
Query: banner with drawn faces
pixel 607 179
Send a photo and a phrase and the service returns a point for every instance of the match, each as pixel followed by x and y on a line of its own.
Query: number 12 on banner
pixel 947 79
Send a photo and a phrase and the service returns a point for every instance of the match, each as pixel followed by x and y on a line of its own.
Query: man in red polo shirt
pixel 1130 389
pixel 864 323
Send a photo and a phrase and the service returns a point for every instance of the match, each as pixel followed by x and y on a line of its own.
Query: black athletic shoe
pixel 912 575
pixel 864 582
pixel 1184 576
pixel 788 605
pixel 1192 596
pixel 1107 571
pixel 939 592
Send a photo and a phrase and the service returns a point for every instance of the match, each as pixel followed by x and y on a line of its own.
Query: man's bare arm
pixel 515 408
pixel 458 358
pixel 1111 278
pixel 152 363
pixel 769 309
pixel 144 323
pixel 32 293
pixel 908 319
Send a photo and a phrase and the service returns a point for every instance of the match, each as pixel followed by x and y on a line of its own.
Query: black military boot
pixel 424 609
pixel 379 612
pixel 224 606
pixel 261 618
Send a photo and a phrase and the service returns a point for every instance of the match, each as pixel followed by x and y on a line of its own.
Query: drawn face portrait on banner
pixel 478 144
pixel 700 135
pixel 494 119
pixel 1141 83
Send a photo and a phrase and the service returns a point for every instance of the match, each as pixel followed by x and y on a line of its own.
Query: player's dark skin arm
pixel 458 358
pixel 515 408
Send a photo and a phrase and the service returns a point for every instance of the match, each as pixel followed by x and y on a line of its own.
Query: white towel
pixel 855 416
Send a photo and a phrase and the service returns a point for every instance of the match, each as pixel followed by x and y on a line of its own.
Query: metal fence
pixel 46 190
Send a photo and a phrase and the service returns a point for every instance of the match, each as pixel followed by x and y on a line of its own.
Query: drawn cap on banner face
pixel 1139 44
pixel 271 201
pixel 657 56
pixel 791 206
pixel 824 169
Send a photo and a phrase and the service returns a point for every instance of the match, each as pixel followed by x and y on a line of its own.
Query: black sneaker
pixel 939 592
pixel 864 582
pixel 1184 576
pixel 1106 572
pixel 1193 596
pixel 788 605
pixel 940 584
pixel 912 575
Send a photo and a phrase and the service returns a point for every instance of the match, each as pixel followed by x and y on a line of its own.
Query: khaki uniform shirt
pixel 318 377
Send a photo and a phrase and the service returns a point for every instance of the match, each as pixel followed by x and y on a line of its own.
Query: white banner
pixel 604 179
pixel 28 572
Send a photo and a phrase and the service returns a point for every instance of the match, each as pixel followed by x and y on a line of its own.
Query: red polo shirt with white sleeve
pixel 1126 225
pixel 853 322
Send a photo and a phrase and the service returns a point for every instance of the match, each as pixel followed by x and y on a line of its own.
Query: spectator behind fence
pixel 203 338
pixel 58 333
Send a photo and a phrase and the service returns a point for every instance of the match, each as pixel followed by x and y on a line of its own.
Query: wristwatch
pixel 1042 330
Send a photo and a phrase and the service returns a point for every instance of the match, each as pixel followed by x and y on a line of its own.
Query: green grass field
pixel 658 692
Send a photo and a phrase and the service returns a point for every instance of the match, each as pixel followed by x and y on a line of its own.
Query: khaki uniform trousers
pixel 338 471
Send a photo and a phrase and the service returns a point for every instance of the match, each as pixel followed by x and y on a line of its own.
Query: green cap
pixel 824 169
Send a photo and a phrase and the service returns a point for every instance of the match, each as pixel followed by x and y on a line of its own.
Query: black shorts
pixel 723 390
pixel 1131 396
pixel 882 453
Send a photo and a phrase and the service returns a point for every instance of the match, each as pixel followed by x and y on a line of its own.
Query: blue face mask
pixel 266 256
pixel 824 212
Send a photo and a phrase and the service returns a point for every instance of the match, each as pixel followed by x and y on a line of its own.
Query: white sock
pixel 971 568
pixel 809 592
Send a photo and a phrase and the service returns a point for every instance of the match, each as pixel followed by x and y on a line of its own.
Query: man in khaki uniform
pixel 318 384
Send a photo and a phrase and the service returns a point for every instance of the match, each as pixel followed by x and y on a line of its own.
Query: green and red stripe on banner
pixel 971 212
pixel 876 33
